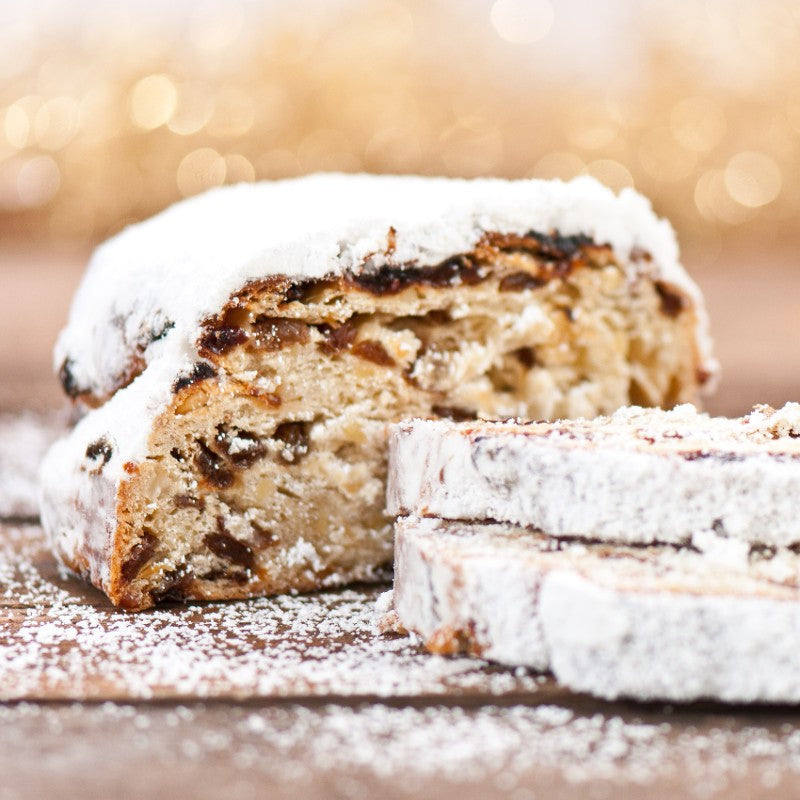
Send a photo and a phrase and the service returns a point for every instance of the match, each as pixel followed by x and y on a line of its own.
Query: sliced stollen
pixel 638 476
pixel 719 620
pixel 244 352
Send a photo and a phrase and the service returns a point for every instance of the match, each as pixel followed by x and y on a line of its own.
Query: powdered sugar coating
pixel 650 623
pixel 639 476
pixel 153 283
pixel 671 646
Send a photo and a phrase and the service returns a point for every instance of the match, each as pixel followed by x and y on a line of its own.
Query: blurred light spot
pixel 238 169
pixel 233 114
pixel 765 28
pixel 592 135
pixel 394 149
pixel 393 28
pixel 37 181
pixel 199 170
pixel 663 158
pixel 274 106
pixel 194 109
pixel 715 203
pixel 56 122
pixel 327 148
pixel 99 117
pixel 278 163
pixel 17 126
pixel 153 101
pixel 471 147
pixel 704 192
pixel 592 124
pixel 558 165
pixel 522 21
pixel 215 25
pixel 611 173
pixel 780 139
pixel 697 123
pixel 752 179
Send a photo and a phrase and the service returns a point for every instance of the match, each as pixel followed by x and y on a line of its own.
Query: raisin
pixel 557 247
pixel 229 548
pixel 138 556
pixel 212 467
pixel 155 335
pixel 304 291
pixel 201 371
pixel 339 338
pixel 519 281
pixel 274 333
pixel 188 501
pixel 459 269
pixel 455 270
pixel 298 292
pixel 67 379
pixel 698 455
pixel 173 585
pixel 671 302
pixel 100 448
pixel 242 447
pixel 295 436
pixel 264 537
pixel 453 412
pixel 373 351
pixel 526 356
pixel 221 339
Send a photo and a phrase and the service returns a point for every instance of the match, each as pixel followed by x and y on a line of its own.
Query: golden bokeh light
pixel 56 122
pixel 37 181
pixel 194 108
pixel 611 173
pixel 17 124
pixel 522 21
pixel 697 123
pixel 558 164
pixel 153 101
pixel 752 179
pixel 662 157
pixel 118 122
pixel 238 169
pixel 199 170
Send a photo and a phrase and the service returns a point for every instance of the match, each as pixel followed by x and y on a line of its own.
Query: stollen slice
pixel 718 620
pixel 638 476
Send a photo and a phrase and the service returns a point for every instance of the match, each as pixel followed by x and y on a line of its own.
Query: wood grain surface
pixel 299 697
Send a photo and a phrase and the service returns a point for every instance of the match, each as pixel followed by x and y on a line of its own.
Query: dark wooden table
pixel 299 697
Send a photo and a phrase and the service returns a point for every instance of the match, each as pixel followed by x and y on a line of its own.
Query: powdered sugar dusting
pixel 155 281
pixel 367 751
pixel 59 642
pixel 24 439
pixel 638 476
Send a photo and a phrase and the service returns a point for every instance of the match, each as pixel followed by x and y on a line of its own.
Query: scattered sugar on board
pixel 24 439
pixel 61 640
pixel 508 747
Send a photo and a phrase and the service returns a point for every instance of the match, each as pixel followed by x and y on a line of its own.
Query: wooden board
pixel 302 695
pixel 299 697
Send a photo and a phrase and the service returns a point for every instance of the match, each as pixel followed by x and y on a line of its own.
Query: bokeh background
pixel 110 112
